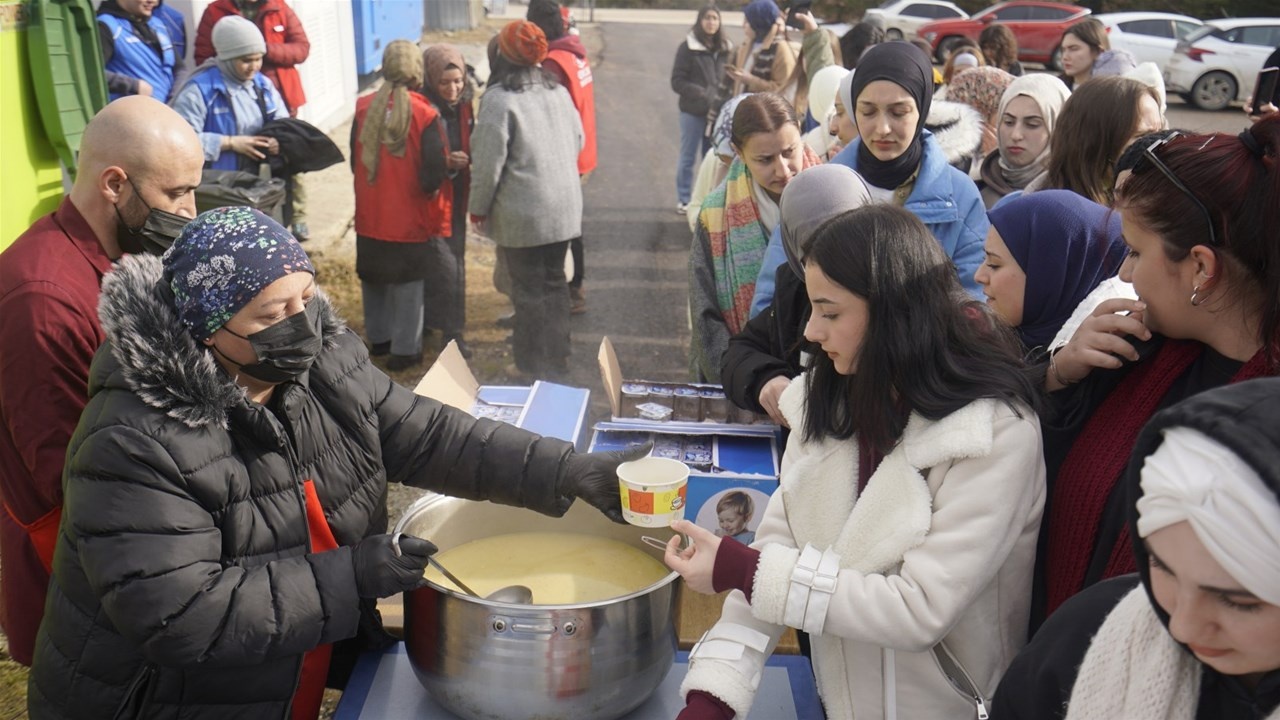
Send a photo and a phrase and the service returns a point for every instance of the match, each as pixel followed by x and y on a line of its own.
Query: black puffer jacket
pixel 182 584
pixel 1244 417
pixel 697 76
pixel 768 345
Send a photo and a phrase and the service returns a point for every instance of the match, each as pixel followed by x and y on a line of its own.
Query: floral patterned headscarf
pixel 222 260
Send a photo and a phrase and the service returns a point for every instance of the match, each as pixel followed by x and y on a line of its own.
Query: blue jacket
pixel 214 110
pixel 176 24
pixel 949 204
pixel 131 57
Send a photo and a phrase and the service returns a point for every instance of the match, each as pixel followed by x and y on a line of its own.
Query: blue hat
pixel 761 14
pixel 222 260
pixel 1066 245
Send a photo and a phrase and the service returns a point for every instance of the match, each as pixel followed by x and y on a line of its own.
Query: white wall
pixel 328 75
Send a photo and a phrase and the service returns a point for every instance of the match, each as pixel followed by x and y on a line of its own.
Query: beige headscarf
pixel 437 59
pixel 387 122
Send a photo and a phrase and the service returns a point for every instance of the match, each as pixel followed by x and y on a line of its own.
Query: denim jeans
pixel 394 313
pixel 692 148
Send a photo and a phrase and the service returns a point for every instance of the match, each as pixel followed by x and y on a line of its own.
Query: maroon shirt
pixel 49 283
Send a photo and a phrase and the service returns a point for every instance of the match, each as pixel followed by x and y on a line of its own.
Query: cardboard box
pixel 545 408
pixel 730 464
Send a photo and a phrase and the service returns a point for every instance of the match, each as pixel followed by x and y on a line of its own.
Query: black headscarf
pixel 907 66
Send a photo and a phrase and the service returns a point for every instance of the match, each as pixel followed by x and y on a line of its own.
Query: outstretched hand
pixel 594 478
pixel 697 562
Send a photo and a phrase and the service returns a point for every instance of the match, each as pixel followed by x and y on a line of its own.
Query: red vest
pixel 584 99
pixel 394 208
pixel 447 200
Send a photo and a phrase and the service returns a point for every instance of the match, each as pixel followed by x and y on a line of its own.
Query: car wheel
pixel 945 47
pixel 1055 60
pixel 1213 91
pixel 893 34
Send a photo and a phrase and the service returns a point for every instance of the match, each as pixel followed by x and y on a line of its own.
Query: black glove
pixel 381 572
pixel 594 478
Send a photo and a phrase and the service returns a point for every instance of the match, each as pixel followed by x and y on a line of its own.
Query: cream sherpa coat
pixel 938 549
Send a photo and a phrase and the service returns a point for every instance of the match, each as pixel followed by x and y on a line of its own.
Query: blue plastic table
pixel 383 687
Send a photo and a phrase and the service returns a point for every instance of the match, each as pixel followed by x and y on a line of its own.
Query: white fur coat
pixel 939 547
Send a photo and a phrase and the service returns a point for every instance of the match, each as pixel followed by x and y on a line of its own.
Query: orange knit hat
pixel 523 43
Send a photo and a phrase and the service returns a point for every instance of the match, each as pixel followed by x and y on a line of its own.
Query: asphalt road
pixel 636 245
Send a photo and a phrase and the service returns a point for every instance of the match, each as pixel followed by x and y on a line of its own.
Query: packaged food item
pixel 633 394
pixel 653 411
pixel 687 404
pixel 715 406
pixel 662 395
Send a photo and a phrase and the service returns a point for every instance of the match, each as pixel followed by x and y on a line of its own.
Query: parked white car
pixel 1219 63
pixel 903 17
pixel 1149 36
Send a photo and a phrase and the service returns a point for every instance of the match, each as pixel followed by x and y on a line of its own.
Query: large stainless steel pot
pixel 485 660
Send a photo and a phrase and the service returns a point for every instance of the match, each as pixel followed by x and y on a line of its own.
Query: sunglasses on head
pixel 1149 155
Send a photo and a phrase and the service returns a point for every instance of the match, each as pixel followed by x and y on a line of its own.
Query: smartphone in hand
pixel 1264 90
pixel 799 6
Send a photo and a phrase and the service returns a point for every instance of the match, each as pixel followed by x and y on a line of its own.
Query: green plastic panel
pixel 66 70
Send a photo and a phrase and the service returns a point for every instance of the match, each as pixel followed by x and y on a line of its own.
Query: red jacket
pixel 49 331
pixel 395 207
pixel 287 45
pixel 567 59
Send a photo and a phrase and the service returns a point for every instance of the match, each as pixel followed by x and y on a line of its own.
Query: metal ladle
pixel 510 594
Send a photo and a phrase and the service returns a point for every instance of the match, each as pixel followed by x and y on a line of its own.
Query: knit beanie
pixel 546 15
pixel 523 43
pixel 222 260
pixel 234 37
pixel 761 14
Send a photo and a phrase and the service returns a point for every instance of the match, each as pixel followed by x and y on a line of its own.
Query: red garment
pixel 466 120
pixel 315 663
pixel 49 283
pixel 287 45
pixel 394 208
pixel 567 59
pixel 1099 457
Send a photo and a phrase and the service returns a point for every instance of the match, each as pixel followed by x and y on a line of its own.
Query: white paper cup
pixel 653 491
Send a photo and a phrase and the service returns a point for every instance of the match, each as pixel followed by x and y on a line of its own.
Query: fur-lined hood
pixel 156 357
pixel 957 128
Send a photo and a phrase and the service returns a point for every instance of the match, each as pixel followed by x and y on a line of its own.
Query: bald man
pixel 139 167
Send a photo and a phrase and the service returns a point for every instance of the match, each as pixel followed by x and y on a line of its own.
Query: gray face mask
pixel 284 350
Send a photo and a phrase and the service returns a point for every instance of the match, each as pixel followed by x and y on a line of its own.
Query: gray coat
pixel 183 585
pixel 524 166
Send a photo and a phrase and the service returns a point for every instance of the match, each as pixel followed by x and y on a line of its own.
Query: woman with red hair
pixel 1199 215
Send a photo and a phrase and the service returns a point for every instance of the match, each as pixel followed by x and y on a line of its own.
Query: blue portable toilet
pixel 378 22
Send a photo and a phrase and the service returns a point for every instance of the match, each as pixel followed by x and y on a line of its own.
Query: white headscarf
pixel 1049 94
pixel 1195 479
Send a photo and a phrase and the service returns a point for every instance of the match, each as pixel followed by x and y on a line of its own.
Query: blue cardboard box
pixel 546 408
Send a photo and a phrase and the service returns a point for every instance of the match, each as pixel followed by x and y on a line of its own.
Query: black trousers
pixel 541 298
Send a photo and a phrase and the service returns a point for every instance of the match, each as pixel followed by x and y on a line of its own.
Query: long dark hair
pixel 714 43
pixel 512 76
pixel 1093 127
pixel 929 348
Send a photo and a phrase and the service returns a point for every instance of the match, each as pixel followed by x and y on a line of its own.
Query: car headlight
pixel 929 36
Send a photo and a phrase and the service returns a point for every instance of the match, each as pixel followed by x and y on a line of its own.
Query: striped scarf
pixel 738 240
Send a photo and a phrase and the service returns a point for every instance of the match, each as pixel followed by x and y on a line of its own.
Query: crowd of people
pixel 1021 337
pixel 1030 467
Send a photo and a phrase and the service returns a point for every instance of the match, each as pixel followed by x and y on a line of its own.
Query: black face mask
pixel 155 235
pixel 284 350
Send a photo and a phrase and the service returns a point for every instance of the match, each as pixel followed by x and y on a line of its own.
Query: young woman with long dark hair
pixel 903 533
pixel 1081 45
pixel 698 77
pixel 1199 214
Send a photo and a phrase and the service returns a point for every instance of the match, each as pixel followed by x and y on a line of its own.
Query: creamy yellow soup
pixel 560 568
